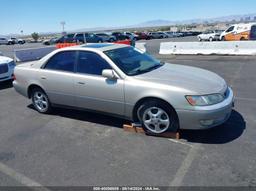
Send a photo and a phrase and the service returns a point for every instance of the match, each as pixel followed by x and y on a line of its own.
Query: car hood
pixel 4 59
pixel 192 79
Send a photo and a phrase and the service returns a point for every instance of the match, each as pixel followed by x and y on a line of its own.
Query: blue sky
pixel 46 15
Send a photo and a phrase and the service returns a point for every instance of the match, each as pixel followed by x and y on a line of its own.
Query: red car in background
pixel 143 36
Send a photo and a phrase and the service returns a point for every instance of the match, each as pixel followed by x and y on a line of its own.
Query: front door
pixel 230 34
pixel 93 91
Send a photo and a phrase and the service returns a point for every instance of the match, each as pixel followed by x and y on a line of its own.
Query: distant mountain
pixel 236 18
pixel 161 22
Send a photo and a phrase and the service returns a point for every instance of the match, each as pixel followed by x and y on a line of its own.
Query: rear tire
pixel 40 101
pixel 157 118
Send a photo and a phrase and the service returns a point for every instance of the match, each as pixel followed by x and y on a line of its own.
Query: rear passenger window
pixel 63 61
pixel 91 63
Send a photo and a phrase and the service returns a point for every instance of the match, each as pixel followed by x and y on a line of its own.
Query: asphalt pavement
pixel 78 148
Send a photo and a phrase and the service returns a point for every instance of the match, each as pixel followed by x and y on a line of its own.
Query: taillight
pixel 13 77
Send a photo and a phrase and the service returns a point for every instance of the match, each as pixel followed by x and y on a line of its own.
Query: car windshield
pixel 132 62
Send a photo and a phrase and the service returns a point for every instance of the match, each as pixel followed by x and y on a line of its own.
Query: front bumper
pixel 207 116
pixel 6 78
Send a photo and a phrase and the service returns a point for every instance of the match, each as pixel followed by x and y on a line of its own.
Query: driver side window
pixel 91 63
pixel 230 29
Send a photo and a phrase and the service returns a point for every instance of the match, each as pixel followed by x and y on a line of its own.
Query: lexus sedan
pixel 122 81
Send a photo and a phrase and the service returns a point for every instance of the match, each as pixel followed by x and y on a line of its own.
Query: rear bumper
pixel 208 116
pixel 20 89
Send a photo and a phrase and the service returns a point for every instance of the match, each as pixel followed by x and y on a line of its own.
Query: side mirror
pixel 108 73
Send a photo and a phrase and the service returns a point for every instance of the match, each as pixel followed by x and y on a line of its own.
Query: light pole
pixel 63 26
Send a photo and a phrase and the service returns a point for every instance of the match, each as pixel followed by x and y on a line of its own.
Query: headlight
pixel 205 99
pixel 12 64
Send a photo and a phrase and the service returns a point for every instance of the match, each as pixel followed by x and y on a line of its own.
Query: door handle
pixel 81 83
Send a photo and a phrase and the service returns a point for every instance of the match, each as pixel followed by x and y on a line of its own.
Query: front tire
pixel 157 118
pixel 40 101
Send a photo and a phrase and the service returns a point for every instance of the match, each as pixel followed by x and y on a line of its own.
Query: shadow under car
pixel 227 132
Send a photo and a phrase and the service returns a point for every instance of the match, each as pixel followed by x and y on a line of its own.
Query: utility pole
pixel 63 23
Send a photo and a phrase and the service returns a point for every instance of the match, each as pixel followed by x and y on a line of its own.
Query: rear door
pixel 93 91
pixel 56 78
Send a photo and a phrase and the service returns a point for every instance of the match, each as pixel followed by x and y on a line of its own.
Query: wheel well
pixel 31 87
pixel 138 104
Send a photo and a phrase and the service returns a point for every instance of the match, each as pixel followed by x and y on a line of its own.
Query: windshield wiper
pixel 154 67
pixel 139 71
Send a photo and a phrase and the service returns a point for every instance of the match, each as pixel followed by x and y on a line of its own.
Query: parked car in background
pixel 158 35
pixel 14 40
pixel 68 38
pixel 143 36
pixel 123 39
pixel 3 40
pixel 169 34
pixel 106 37
pixel 132 36
pixel 51 41
pixel 7 66
pixel 120 80
pixel 211 35
pixel 80 38
pixel 239 32
pixel 87 38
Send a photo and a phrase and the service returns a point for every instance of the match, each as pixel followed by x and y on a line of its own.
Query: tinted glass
pixel 80 35
pixel 91 63
pixel 63 61
pixel 230 29
pixel 253 33
pixel 70 35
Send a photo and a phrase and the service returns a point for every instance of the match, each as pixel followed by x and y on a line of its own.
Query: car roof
pixel 96 46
